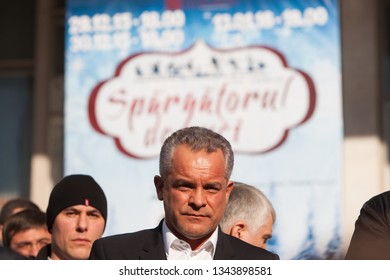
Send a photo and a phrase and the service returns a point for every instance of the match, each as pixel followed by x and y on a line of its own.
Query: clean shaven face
pixel 195 193
pixel 74 230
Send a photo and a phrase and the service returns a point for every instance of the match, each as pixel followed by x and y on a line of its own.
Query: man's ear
pixel 229 189
pixel 237 230
pixel 159 185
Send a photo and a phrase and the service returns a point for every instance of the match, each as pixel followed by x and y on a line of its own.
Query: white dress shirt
pixel 176 249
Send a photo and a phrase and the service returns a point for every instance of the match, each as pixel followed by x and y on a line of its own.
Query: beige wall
pixel 47 158
pixel 364 149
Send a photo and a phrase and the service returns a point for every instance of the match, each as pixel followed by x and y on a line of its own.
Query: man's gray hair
pixel 249 204
pixel 197 139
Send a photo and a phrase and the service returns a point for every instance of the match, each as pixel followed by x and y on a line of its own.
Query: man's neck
pixel 194 243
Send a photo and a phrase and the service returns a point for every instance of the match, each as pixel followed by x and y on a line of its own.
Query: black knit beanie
pixel 75 190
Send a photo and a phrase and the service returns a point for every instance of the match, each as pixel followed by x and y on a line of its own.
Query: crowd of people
pixel 207 215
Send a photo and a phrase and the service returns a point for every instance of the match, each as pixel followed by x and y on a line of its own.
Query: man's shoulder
pixel 144 244
pixel 8 254
pixel 245 251
pixel 44 253
pixel 379 201
pixel 377 207
pixel 130 237
pixel 370 239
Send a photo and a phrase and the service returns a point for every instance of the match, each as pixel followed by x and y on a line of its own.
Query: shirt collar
pixel 171 240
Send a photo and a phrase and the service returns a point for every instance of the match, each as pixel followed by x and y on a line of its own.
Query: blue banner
pixel 265 74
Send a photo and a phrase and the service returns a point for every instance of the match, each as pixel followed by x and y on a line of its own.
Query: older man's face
pixel 195 193
pixel 260 237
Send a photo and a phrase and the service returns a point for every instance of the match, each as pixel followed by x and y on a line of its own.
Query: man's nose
pixel 82 223
pixel 198 198
pixel 34 249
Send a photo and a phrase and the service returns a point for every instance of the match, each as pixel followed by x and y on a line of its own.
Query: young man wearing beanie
pixel 76 217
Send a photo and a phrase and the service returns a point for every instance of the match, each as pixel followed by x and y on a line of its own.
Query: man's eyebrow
pixel 44 239
pixel 180 182
pixel 213 184
pixel 93 211
pixel 71 208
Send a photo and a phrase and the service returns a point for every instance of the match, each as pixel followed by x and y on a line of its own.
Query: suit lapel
pixel 154 246
pixel 224 250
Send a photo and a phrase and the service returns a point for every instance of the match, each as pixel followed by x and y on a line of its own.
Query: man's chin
pixel 80 254
pixel 196 234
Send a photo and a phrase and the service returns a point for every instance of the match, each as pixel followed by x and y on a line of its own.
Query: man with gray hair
pixel 249 215
pixel 194 185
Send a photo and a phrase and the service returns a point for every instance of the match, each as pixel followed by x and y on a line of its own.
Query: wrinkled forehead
pixel 183 154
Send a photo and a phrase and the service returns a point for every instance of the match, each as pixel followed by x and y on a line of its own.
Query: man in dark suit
pixel 371 237
pixel 194 185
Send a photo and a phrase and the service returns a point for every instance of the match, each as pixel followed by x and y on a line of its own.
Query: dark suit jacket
pixel 148 245
pixel 8 254
pixel 44 253
pixel 371 238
